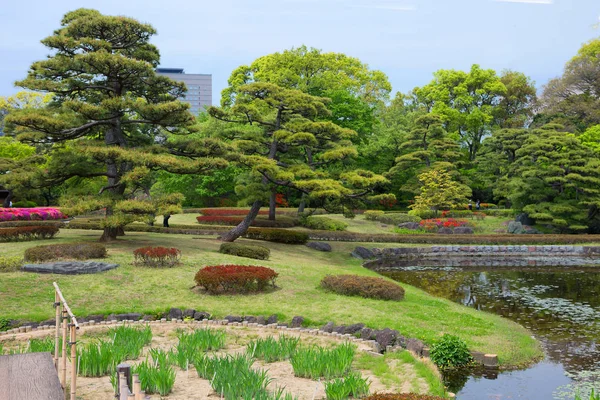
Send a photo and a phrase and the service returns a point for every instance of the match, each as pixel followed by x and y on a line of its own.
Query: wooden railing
pixel 63 315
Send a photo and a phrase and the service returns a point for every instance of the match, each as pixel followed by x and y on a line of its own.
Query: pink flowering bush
pixel 30 214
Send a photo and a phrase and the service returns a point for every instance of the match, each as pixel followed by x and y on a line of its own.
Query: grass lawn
pixel 138 289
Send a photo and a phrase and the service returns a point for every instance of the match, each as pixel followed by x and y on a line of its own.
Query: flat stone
pixel 320 246
pixel 69 267
pixel 363 253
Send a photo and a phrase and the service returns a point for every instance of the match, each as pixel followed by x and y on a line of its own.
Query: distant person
pixel 478 205
pixel 10 203
pixel 470 206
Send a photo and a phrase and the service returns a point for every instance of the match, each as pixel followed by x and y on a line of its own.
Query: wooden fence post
pixel 73 343
pixel 64 347
pixel 124 371
pixel 57 331
pixel 137 387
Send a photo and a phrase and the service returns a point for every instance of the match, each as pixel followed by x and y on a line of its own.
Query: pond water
pixel 560 305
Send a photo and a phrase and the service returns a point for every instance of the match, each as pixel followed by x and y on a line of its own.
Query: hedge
pixel 77 251
pixel 324 224
pixel 235 278
pixel 244 250
pixel 397 218
pixel 21 233
pixel 277 235
pixel 157 256
pixel 363 286
pixel 372 215
pixel 12 224
pixel 281 222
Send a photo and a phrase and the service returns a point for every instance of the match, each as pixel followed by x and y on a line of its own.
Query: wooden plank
pixel 29 376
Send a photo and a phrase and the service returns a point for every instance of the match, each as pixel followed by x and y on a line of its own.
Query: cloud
pixel 527 1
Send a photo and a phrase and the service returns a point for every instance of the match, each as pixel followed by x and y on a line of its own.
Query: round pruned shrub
pixel 235 278
pixel 277 235
pixel 402 396
pixel 324 224
pixel 245 250
pixel 363 286
pixel 373 215
pixel 157 256
pixel 450 352
pixel 74 251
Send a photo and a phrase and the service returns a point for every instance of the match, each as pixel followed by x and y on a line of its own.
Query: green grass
pixel 353 385
pixel 128 288
pixel 271 350
pixel 316 362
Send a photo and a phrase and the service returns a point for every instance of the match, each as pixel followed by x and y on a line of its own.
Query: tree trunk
pixel 272 204
pixel 302 205
pixel 109 234
pixel 166 220
pixel 7 200
pixel 244 225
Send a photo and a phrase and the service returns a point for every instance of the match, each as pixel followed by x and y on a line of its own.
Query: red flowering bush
pixel 235 278
pixel 433 224
pixel 157 256
pixel 30 214
pixel 280 200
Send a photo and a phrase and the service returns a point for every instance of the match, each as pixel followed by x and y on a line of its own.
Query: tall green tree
pixel 440 192
pixel 283 141
pixel 516 107
pixel 111 115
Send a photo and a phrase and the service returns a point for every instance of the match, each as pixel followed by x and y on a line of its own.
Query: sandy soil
pixel 189 386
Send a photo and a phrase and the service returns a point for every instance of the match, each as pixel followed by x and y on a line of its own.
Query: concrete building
pixel 199 94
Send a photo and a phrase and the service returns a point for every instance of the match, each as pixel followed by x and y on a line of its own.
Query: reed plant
pixel 271 350
pixel 130 340
pixel 43 345
pixel 353 385
pixel 316 362
pixel 156 376
pixel 98 358
pixel 193 343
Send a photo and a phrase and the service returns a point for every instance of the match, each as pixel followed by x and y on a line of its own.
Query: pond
pixel 560 305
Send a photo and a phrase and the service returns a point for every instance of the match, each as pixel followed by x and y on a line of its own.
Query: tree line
pixel 100 130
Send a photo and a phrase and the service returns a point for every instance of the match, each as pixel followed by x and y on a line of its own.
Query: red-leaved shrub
pixel 235 278
pixel 281 222
pixel 228 212
pixel 20 233
pixel 157 256
pixel 363 286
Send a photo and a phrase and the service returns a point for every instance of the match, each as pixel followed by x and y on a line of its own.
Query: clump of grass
pixel 131 340
pixel 190 344
pixel 271 350
pixel 43 345
pixel 98 358
pixel 156 377
pixel 317 362
pixel 353 385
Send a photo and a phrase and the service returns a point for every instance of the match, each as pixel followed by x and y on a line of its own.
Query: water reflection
pixel 560 305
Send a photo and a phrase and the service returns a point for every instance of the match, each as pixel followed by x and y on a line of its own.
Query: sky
pixel 406 39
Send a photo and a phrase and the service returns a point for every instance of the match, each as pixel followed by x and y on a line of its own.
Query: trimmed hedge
pixel 22 233
pixel 12 224
pixel 77 251
pixel 397 218
pixel 500 213
pixel 373 215
pixel 281 222
pixel 277 235
pixel 235 278
pixel 244 250
pixel 363 286
pixel 402 396
pixel 324 224
pixel 157 256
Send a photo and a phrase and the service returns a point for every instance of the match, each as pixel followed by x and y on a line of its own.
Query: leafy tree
pixel 573 99
pixel 19 101
pixel 18 164
pixel 111 116
pixel 556 180
pixel 466 101
pixel 516 108
pixel 440 192
pixel 591 138
pixel 283 142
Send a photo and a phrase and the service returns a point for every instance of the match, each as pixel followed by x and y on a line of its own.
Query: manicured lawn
pixel 137 289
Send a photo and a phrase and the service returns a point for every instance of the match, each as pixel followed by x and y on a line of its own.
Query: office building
pixel 199 94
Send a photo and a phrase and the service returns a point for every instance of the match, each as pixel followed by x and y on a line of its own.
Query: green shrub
pixel 353 385
pixel 450 352
pixel 500 213
pixel 363 286
pixel 317 362
pixel 77 251
pixel 324 224
pixel 425 214
pixel 23 233
pixel 244 250
pixel 277 235
pixel 10 264
pixel 397 218
pixel 271 350
pixel 373 215
pixel 24 204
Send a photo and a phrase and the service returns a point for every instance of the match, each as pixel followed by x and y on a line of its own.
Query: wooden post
pixel 57 332
pixel 137 387
pixel 131 397
pixel 124 371
pixel 64 347
pixel 73 361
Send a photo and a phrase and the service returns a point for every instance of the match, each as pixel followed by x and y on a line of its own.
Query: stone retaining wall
pixel 486 251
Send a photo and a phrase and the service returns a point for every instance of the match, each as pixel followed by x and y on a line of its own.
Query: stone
pixel 362 253
pixel 366 333
pixel 250 319
pixel 530 230
pixel 297 322
pixel 352 329
pixel 415 345
pixel 95 317
pixel 149 317
pixel 233 318
pixel 524 219
pixel 272 319
pixel 490 360
pixel 69 267
pixel 410 225
pixel 111 317
pixel 320 246
pixel 445 231
pixel 339 329
pixel 188 313
pixel 260 320
pixel 463 230
pixel 328 327
pixel 175 313
pixel 200 315
pixel 401 341
pixel 515 228
pixel 385 337
pixel 128 316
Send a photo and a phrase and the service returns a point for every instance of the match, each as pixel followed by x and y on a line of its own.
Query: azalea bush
pixel 433 224
pixel 235 278
pixel 157 256
pixel 30 214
